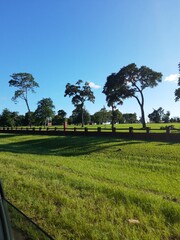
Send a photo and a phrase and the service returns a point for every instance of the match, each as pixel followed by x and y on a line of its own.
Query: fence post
pixel 113 129
pixel 99 129
pixel 65 126
pixel 148 130
pixel 131 130
pixel 86 129
pixel 168 129
pixel 75 129
pixel 40 129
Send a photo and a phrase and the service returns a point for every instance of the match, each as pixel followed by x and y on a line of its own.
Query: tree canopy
pixel 76 117
pixel 130 117
pixel 44 111
pixel 116 91
pixel 8 118
pixel 59 119
pixel 130 81
pixel 80 94
pixel 101 116
pixel 177 91
pixel 158 115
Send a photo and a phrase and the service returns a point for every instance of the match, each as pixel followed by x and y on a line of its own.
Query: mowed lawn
pixel 92 188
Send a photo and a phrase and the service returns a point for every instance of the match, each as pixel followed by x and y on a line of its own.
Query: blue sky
pixel 62 41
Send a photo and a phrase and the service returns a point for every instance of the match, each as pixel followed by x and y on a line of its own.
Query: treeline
pixel 14 119
pixel 103 116
pixel 129 82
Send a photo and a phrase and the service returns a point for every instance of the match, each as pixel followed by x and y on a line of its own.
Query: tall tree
pixel 177 91
pixel 80 94
pixel 131 81
pixel 116 91
pixel 44 111
pixel 24 82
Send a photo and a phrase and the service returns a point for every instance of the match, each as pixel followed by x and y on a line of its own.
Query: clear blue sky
pixel 61 41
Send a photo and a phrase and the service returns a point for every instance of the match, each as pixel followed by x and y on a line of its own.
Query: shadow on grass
pixel 60 146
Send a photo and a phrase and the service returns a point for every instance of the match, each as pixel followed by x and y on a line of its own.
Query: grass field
pixel 90 188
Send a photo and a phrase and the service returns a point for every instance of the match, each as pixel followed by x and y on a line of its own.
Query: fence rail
pixel 165 134
pixel 167 130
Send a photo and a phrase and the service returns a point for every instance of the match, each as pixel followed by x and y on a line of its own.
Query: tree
pixel 101 116
pixel 159 115
pixel 156 115
pixel 59 119
pixel 24 82
pixel 117 116
pixel 44 111
pixel 20 120
pixel 116 91
pixel 175 119
pixel 130 117
pixel 76 117
pixel 29 118
pixel 131 81
pixel 177 91
pixel 166 117
pixel 80 94
pixel 7 118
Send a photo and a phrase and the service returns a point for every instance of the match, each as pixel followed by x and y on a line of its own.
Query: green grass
pixel 88 188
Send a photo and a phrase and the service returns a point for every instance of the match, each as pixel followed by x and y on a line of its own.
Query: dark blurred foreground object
pixel 15 225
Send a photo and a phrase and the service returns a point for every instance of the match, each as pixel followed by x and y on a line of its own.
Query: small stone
pixel 133 221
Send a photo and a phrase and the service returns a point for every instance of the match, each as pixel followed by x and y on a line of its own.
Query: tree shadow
pixel 62 145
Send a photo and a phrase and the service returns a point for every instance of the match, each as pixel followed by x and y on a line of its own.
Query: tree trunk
pixel 30 120
pixel 141 104
pixel 112 123
pixel 27 105
pixel 143 117
pixel 82 116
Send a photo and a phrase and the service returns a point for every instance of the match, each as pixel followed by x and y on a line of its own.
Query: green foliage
pixel 60 118
pixel 130 117
pixel 76 117
pixel 130 81
pixel 24 82
pixel 44 111
pixel 159 115
pixel 117 116
pixel 80 94
pixel 102 116
pixel 29 118
pixel 89 188
pixel 8 118
pixel 177 91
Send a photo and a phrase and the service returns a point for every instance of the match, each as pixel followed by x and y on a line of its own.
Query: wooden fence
pixel 165 134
